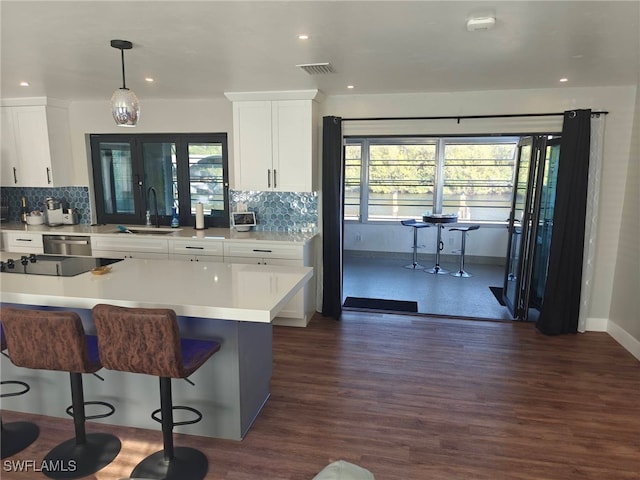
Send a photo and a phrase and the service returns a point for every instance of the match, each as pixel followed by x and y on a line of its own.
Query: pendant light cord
pixel 124 84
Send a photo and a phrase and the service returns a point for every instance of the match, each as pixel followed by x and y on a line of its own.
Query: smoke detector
pixel 317 68
pixel 480 23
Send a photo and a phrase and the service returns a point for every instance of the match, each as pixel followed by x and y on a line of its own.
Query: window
pixel 395 178
pixel 183 169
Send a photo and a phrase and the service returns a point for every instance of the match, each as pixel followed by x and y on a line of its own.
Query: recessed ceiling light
pixel 564 80
pixel 351 86
pixel 24 84
pixel 148 79
pixel 303 36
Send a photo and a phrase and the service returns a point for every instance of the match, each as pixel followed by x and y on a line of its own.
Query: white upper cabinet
pixel 36 145
pixel 275 144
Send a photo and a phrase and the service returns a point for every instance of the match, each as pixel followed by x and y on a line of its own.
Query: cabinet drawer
pixel 196 247
pixel 127 244
pixel 263 250
pixel 26 242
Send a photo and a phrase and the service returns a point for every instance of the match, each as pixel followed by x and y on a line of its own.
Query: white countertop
pixel 240 292
pixel 182 232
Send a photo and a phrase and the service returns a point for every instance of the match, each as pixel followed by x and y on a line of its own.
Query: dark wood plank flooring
pixel 411 397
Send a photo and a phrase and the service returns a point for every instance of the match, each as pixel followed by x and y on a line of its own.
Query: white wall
pixel 624 319
pixel 618 101
pixel 488 241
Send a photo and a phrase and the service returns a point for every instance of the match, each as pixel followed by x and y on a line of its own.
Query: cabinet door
pixel 32 146
pixel 9 170
pixel 292 145
pixel 253 145
pixel 124 243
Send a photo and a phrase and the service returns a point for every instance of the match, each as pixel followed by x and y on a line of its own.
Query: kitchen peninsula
pixel 184 243
pixel 231 303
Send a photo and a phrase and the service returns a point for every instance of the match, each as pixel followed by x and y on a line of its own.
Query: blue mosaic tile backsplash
pixel 279 211
pixel 275 211
pixel 76 197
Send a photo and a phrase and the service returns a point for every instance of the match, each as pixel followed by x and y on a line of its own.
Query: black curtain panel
pixel 332 215
pixel 561 304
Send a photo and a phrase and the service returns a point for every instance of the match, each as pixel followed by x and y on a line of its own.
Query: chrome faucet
pixel 155 204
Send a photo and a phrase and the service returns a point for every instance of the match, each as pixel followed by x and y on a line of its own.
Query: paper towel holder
pixel 200 225
pixel 243 221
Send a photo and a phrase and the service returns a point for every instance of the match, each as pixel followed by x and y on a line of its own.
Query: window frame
pixel 136 142
pixel 440 161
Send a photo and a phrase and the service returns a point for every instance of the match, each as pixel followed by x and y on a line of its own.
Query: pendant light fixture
pixel 124 103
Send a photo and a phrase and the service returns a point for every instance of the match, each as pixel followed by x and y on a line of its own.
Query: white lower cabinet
pixel 300 309
pixel 126 254
pixel 196 250
pixel 126 247
pixel 22 242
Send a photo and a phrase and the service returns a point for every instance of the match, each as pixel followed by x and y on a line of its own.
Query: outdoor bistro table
pixel 439 219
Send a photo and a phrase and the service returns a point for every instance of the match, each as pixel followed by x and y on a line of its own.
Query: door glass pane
pixel 160 172
pixel 117 178
pixel 512 280
pixel 545 225
pixel 206 177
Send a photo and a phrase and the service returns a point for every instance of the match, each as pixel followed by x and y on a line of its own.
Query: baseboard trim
pixel 291 322
pixel 624 338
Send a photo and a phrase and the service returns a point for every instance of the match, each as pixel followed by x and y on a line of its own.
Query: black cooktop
pixel 54 265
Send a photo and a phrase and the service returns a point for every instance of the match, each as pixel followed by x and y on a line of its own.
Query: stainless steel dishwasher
pixel 67 244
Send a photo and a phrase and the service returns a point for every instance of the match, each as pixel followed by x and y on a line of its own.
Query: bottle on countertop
pixel 23 210
pixel 175 223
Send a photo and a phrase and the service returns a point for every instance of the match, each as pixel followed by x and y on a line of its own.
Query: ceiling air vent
pixel 317 68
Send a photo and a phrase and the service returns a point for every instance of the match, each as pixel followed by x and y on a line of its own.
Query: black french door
pixel 529 239
pixel 184 170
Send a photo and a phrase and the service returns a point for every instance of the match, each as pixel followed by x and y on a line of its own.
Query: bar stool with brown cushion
pixel 16 436
pixel 55 340
pixel 147 341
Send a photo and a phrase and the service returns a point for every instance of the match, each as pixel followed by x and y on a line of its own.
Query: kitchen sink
pixel 149 231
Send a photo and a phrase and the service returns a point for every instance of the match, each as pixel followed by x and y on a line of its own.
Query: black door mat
pixel 381 304
pixel 497 292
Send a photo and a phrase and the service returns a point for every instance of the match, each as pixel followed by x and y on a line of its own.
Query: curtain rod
pixel 461 117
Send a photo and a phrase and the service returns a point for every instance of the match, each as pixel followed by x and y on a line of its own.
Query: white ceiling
pixel 201 49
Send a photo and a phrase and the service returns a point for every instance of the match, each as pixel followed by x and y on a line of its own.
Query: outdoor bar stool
pixel 464 230
pixel 16 436
pixel 147 341
pixel 55 340
pixel 416 225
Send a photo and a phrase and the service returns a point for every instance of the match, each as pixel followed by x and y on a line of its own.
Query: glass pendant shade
pixel 125 107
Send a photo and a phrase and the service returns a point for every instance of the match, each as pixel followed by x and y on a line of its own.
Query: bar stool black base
pixel 415 266
pixel 462 274
pixel 186 464
pixel 437 270
pixel 16 436
pixel 69 460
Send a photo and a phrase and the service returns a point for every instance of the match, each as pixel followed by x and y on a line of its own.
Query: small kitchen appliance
pixel 69 216
pixel 53 265
pixel 54 212
pixel 243 221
